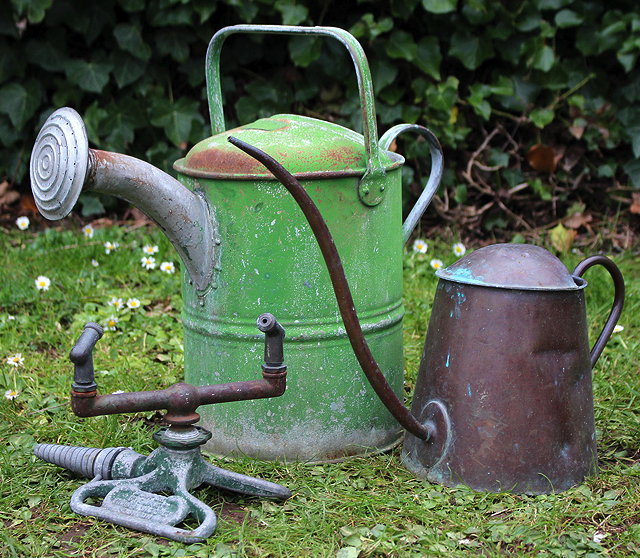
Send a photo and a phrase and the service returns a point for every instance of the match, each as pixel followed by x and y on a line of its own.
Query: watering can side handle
pixel 435 175
pixel 363 74
pixel 618 300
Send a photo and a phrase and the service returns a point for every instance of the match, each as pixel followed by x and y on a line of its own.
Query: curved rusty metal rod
pixel 618 300
pixel 341 289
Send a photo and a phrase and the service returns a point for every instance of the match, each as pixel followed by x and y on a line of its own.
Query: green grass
pixel 363 507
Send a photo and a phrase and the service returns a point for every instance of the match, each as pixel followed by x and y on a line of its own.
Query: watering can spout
pixel 62 167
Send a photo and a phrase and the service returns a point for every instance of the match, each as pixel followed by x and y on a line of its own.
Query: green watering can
pixel 245 247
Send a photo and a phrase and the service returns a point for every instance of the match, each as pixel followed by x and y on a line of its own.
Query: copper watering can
pixel 503 398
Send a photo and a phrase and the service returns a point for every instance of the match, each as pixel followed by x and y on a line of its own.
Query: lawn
pixel 361 507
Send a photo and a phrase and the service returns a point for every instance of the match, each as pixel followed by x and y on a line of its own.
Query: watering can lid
pixel 306 147
pixel 512 266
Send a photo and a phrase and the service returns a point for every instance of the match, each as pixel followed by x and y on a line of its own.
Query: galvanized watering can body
pixel 507 356
pixel 245 247
pixel 268 258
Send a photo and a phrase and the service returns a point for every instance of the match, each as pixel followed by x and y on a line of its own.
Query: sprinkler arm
pixel 181 400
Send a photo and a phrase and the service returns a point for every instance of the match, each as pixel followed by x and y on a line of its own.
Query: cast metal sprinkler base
pixel 129 483
pixel 130 489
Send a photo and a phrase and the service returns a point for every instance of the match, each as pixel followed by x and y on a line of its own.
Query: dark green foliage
pixel 135 70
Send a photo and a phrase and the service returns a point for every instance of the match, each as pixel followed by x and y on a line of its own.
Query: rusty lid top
pixel 512 266
pixel 306 147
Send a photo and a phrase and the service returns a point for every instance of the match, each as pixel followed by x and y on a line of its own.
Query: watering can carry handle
pixel 363 74
pixel 618 300
pixel 435 175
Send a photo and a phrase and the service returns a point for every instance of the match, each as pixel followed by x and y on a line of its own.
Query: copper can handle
pixel 618 300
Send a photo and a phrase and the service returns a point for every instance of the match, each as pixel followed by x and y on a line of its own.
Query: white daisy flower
pixel 15 360
pixel 133 303
pixel 148 262
pixel 436 264
pixel 22 223
pixel 43 283
pixel 459 249
pixel 168 267
pixel 116 303
pixel 11 394
pixel 618 328
pixel 87 231
pixel 95 263
pixel 110 247
pixel 111 324
pixel 420 246
pixel 149 249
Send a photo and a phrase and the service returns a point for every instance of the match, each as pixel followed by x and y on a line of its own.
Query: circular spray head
pixel 59 162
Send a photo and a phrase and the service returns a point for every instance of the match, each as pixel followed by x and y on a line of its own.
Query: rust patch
pixel 225 162
pixel 344 158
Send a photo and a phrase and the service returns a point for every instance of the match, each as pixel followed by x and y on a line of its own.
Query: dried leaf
pixel 8 197
pixel 576 131
pixel 542 158
pixel 635 203
pixel 562 238
pixel 578 220
pixel 28 205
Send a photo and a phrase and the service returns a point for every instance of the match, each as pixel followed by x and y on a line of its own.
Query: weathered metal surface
pixel 370 188
pixel 435 174
pixel 308 148
pixel 269 258
pixel 512 266
pixel 184 216
pixel 244 245
pixel 180 400
pixel 128 483
pixel 341 290
pixel 58 164
pixel 512 368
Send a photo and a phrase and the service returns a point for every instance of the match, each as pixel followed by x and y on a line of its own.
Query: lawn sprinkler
pixel 244 246
pixel 152 494
pixel 503 398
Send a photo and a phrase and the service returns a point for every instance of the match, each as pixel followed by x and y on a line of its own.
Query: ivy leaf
pixel 383 73
pixel 634 133
pixel 544 58
pixel 541 117
pixel 175 118
pixel 292 13
pixel 478 102
pixel 19 102
pixel 126 69
pixel 35 9
pixel 568 18
pixel 632 168
pixel 444 96
pixel 304 50
pixel 170 42
pixel 470 50
pixel 439 6
pixel 130 40
pixel 429 57
pixel 89 76
pixel 401 45
pixel 93 118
